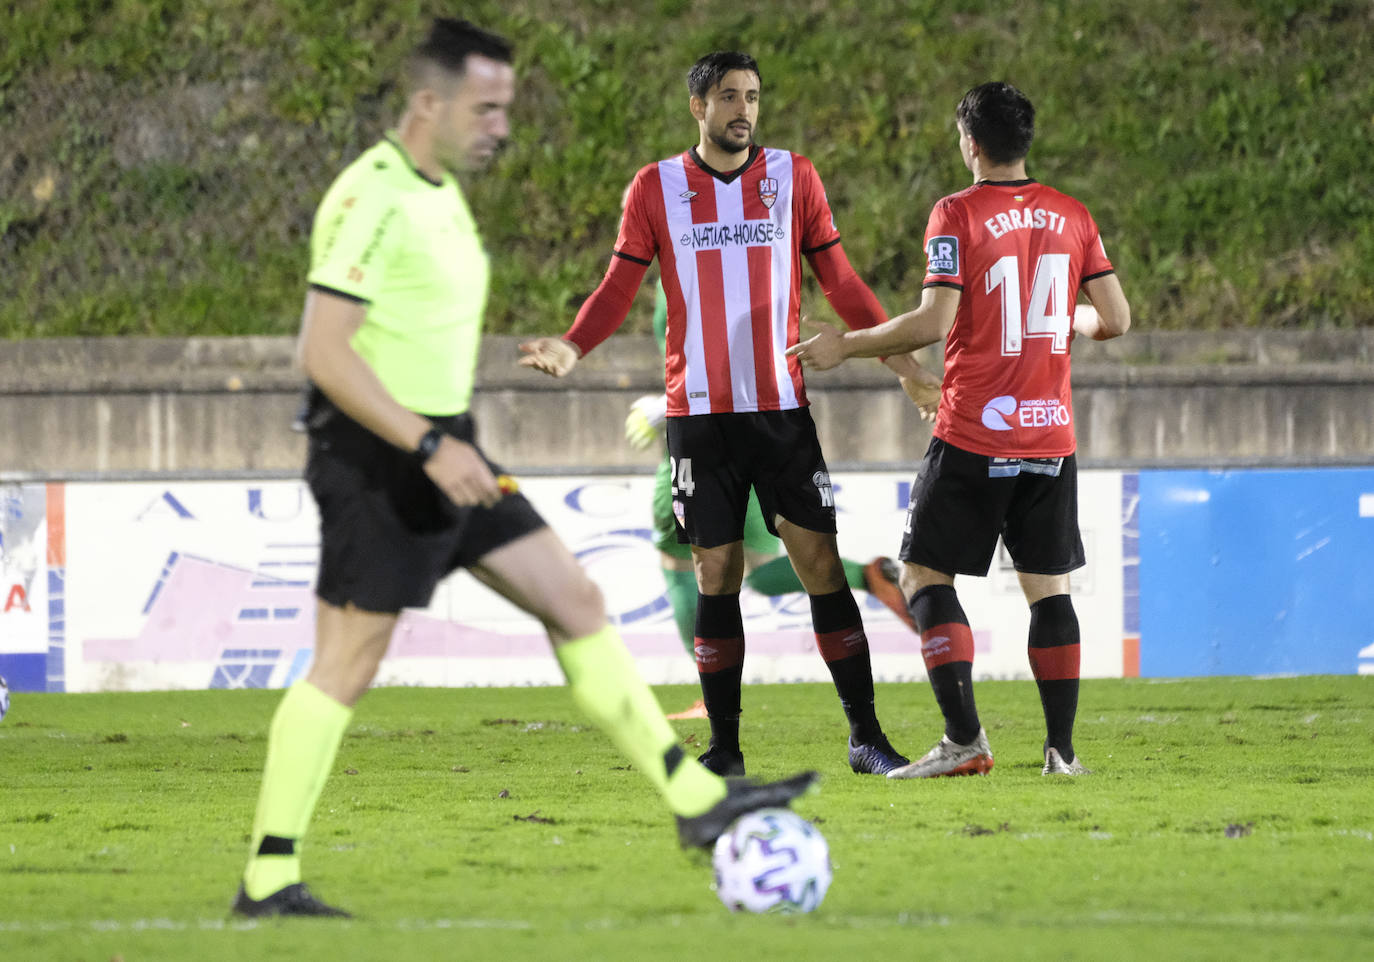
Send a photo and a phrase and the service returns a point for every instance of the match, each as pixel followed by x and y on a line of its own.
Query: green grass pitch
pixel 1226 819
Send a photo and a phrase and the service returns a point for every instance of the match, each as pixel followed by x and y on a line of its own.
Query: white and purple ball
pixel 772 860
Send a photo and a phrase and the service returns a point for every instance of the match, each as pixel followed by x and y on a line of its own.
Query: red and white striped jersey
pixel 1019 252
pixel 730 249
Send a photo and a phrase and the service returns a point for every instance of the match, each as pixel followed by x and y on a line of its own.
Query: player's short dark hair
pixel 450 42
pixel 712 68
pixel 1000 118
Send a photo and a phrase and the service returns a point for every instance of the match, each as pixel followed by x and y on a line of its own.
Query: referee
pixel 389 339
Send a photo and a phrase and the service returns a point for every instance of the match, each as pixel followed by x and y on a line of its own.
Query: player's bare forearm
pixel 927 324
pixel 829 348
pixel 905 332
pixel 1109 315
pixel 882 341
pixel 904 365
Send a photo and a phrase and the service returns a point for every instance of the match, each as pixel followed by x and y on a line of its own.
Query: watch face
pixel 428 444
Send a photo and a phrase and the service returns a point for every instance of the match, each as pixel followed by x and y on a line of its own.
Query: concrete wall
pixel 83 407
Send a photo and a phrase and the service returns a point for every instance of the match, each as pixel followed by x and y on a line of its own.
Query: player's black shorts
pixel 716 458
pixel 961 502
pixel 387 533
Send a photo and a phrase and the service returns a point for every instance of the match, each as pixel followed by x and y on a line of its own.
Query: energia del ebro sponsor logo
pixel 1032 413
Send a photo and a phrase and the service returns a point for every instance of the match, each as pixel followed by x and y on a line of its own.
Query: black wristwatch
pixel 428 445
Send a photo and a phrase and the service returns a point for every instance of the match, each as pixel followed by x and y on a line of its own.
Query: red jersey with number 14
pixel 1019 252
pixel 730 249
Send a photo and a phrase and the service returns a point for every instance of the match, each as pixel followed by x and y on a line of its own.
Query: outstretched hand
pixel 822 351
pixel 552 355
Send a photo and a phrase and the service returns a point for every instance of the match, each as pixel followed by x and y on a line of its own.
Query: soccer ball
pixel 4 698
pixel 772 860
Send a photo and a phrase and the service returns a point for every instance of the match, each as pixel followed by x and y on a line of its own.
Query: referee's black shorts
pixel 962 502
pixel 716 458
pixel 387 533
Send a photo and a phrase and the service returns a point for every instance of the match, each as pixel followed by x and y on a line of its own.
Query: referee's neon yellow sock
pixel 301 745
pixel 608 687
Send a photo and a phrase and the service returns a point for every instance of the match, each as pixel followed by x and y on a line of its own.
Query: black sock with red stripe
pixel 719 646
pixel 947 647
pixel 844 646
pixel 1053 649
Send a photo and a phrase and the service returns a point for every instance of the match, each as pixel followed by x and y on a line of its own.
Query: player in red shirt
pixel 1006 259
pixel 730 223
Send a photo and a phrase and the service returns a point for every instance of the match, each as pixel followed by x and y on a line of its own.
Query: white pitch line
pixel 216 925
pixel 1245 920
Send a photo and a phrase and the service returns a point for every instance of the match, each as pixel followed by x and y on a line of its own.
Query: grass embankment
pixel 161 160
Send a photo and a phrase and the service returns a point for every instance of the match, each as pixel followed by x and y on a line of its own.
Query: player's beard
pixel 725 140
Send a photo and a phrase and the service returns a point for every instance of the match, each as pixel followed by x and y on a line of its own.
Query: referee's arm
pixel 326 354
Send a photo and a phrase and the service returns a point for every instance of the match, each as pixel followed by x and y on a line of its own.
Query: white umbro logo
pixel 935 645
pixel 687 196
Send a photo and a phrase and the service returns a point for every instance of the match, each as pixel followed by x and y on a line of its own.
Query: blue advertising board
pixel 1256 572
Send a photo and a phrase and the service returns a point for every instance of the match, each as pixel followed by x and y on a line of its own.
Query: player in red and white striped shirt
pixel 730 223
pixel 1006 259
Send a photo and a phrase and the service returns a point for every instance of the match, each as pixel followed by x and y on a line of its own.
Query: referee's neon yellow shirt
pixel 408 249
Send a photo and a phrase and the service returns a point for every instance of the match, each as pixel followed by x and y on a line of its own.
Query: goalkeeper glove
pixel 642 423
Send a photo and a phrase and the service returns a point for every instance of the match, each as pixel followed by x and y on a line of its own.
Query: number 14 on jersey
pixel 1047 315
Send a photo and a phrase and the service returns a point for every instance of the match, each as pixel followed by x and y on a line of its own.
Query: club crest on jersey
pixel 768 191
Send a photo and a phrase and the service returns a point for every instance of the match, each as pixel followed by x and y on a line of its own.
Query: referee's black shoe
pixel 292 900
pixel 741 796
